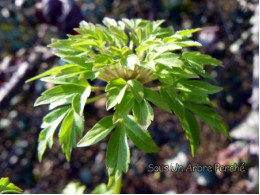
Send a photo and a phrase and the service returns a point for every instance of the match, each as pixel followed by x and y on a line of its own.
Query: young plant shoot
pixel 127 55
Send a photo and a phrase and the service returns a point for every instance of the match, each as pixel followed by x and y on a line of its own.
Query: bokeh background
pixel 230 33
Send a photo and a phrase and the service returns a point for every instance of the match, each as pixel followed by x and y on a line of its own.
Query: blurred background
pixel 230 33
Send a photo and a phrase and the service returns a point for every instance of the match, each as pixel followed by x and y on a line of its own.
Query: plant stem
pixel 97 88
pixel 155 88
pixel 118 184
pixel 90 100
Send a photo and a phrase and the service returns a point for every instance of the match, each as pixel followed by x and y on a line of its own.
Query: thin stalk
pixel 90 100
pixel 155 88
pixel 118 184
pixel 94 88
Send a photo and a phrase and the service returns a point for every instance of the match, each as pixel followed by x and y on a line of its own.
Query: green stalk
pixel 94 88
pixel 118 184
pixel 90 100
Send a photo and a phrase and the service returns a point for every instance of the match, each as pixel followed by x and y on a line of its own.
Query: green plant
pixel 6 187
pixel 74 188
pixel 127 55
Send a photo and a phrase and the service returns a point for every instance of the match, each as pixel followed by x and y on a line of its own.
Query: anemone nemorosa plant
pixel 127 55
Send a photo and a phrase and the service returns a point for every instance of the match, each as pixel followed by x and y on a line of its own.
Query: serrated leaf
pixel 64 80
pixel 156 99
pixel 63 90
pixel 100 130
pixel 7 188
pixel 54 100
pixel 158 50
pixel 191 127
pixel 124 107
pixel 137 89
pixel 76 103
pixel 169 59
pixel 62 100
pixel 78 60
pixel 187 32
pixel 188 43
pixel 115 96
pixel 174 102
pixel 198 59
pixel 58 93
pixel 54 115
pixel 71 126
pixel 209 116
pixel 143 113
pixel 84 98
pixel 197 88
pixel 51 71
pixel 172 38
pixel 140 137
pixel 118 153
pixel 115 83
pixel 89 75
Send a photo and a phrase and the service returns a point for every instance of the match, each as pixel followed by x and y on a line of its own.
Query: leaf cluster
pixel 127 55
pixel 7 188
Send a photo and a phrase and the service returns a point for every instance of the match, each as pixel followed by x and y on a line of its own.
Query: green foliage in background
pixel 74 188
pixel 8 188
pixel 127 55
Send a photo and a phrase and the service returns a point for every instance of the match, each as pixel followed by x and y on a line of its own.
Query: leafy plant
pixel 74 188
pixel 6 187
pixel 127 55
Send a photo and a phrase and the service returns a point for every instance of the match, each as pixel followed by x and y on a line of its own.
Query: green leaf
pixel 7 188
pixel 64 80
pixel 197 88
pixel 209 116
pixel 109 22
pixel 118 154
pixel 156 99
pixel 143 113
pixel 84 98
pixel 188 43
pixel 174 102
pixel 76 103
pixel 198 59
pixel 89 75
pixel 115 96
pixel 72 126
pixel 54 70
pixel 78 60
pixel 131 61
pixel 57 93
pixel 188 97
pixel 44 99
pixel 50 124
pixel 74 188
pixel 124 107
pixel 191 127
pixel 115 83
pixel 100 130
pixel 103 189
pixel 188 32
pixel 58 101
pixel 63 90
pixel 140 137
pixel 169 59
pixel 137 89
pixel 158 50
